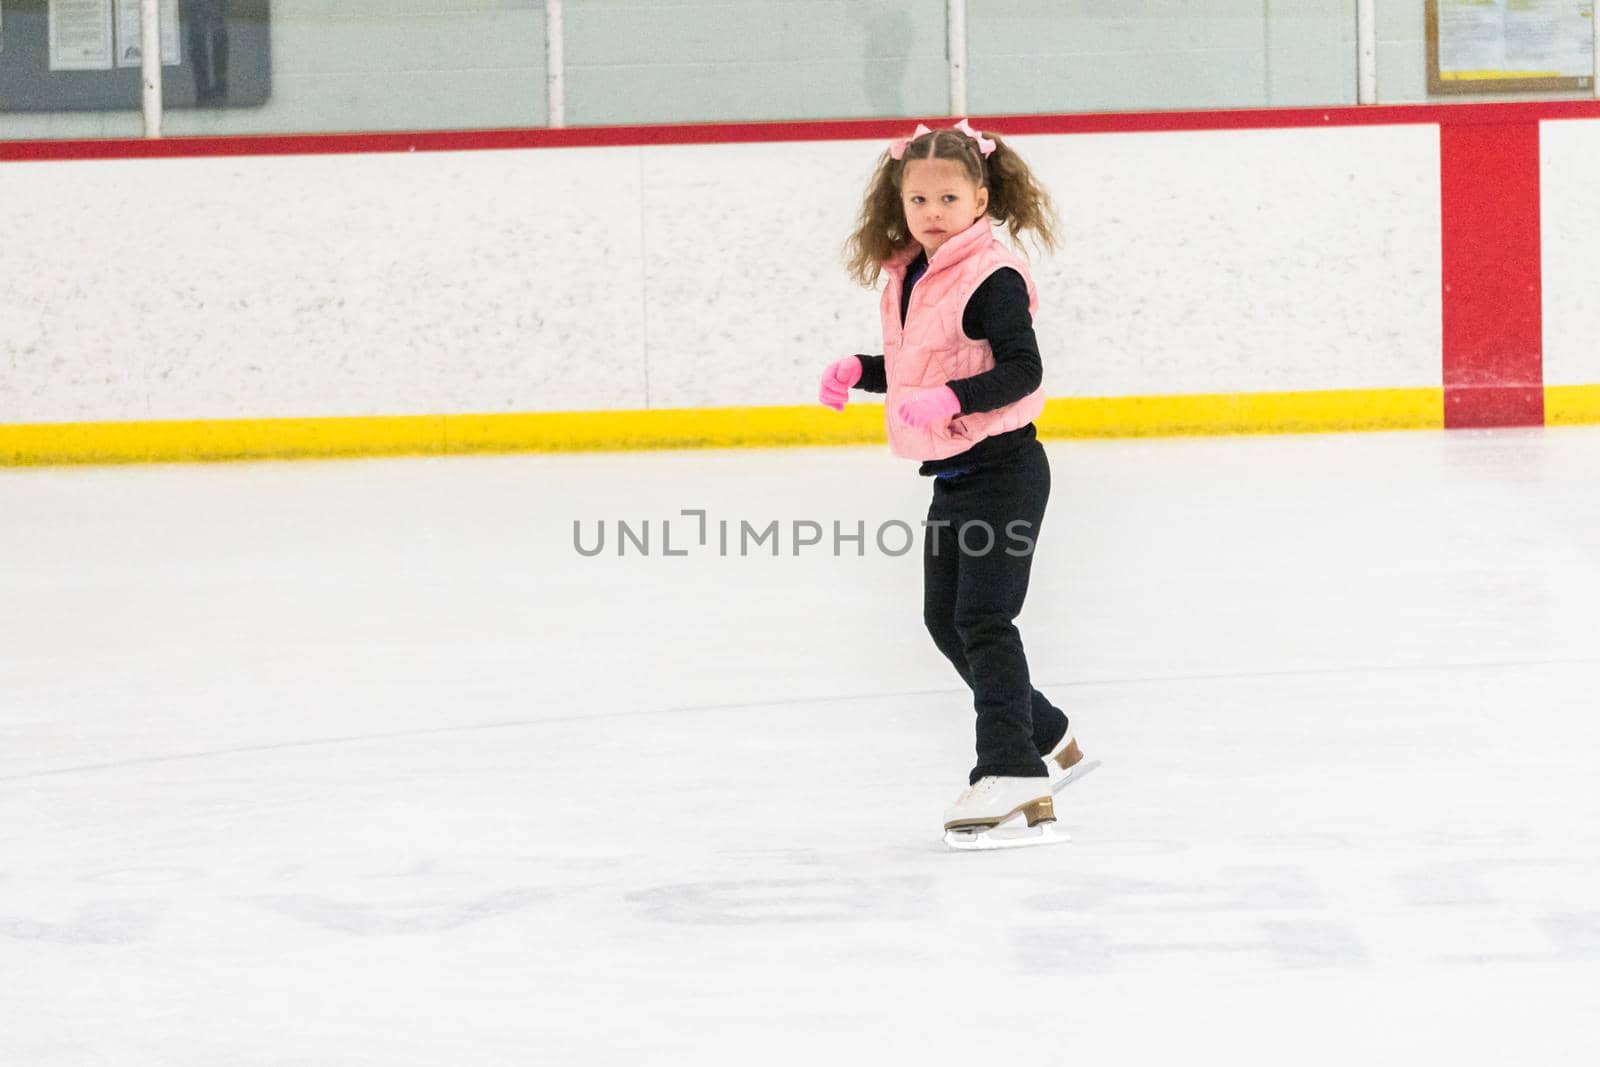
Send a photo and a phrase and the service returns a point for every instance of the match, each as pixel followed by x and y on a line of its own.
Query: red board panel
pixel 1493 323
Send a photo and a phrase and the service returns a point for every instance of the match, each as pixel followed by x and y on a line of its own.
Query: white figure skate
pixel 996 812
pixel 1066 763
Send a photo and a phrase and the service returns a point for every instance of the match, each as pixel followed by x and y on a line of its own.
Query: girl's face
pixel 940 200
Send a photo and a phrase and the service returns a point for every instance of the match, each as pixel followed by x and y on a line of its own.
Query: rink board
pixel 1221 272
pixel 1145 416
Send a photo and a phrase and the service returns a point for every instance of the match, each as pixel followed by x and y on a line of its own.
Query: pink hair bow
pixel 985 144
pixel 897 149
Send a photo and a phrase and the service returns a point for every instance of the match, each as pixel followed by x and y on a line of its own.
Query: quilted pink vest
pixel 932 349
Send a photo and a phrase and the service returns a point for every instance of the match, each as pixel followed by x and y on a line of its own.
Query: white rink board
pixel 321 285
pixel 1243 261
pixel 748 297
pixel 1569 160
pixel 683 276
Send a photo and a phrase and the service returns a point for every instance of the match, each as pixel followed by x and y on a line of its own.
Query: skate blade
pixel 1006 835
pixel 1075 773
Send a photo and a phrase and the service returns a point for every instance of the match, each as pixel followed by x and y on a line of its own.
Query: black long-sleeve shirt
pixel 998 313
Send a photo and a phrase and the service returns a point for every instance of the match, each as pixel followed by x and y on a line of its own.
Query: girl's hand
pixel 928 406
pixel 837 380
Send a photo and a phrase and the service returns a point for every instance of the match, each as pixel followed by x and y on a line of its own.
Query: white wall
pixel 422 64
pixel 1089 55
pixel 362 65
pixel 540 280
pixel 393 65
pixel 631 61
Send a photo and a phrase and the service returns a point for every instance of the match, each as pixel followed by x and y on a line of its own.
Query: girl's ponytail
pixel 881 226
pixel 1016 198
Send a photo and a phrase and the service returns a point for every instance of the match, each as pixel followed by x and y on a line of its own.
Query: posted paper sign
pixel 130 30
pixel 1498 40
pixel 80 35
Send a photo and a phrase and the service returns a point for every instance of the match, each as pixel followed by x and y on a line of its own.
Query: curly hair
pixel 1015 198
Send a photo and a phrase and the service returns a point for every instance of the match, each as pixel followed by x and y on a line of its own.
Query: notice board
pixel 84 55
pixel 1509 46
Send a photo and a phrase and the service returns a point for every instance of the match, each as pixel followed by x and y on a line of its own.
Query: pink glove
pixel 837 380
pixel 928 406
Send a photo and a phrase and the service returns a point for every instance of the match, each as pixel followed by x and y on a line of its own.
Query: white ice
pixel 363 763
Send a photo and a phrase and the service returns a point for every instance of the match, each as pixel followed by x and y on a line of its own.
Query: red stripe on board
pixel 759 132
pixel 1493 320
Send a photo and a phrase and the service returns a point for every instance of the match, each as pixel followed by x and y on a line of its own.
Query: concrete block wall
pixel 1080 55
pixel 698 60
pixel 364 65
pixel 470 64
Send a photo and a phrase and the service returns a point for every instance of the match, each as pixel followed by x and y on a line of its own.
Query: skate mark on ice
pixel 1574 937
pixel 1466 882
pixel 109 922
pixel 1315 841
pixel 389 918
pixel 1327 672
pixel 686 709
pixel 1278 888
pixel 1577 934
pixel 786 900
pixel 1309 944
pixel 143 876
pixel 463 728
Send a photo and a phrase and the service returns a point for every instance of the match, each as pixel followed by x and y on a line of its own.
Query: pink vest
pixel 932 349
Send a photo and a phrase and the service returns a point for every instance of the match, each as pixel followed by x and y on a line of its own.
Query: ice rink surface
pixel 364 763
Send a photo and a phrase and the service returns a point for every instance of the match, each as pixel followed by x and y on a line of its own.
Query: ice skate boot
pixel 1066 764
pixel 1002 812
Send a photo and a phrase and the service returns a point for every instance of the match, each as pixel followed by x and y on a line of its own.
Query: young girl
pixel 962 372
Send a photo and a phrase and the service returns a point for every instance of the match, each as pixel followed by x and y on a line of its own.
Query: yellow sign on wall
pixel 1485 46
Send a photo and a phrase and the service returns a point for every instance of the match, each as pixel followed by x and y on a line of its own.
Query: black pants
pixel 977 554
